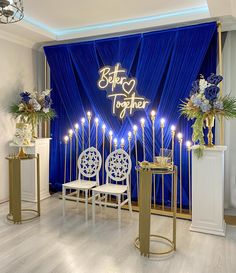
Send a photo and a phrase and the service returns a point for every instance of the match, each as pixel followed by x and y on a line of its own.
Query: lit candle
pixel 142 121
pixel 115 143
pixel 89 115
pixel 163 122
pixel 76 147
pixel 110 138
pixel 153 117
pixel 66 139
pixel 103 151
pixel 96 127
pixel 122 142
pixel 82 123
pixel 70 132
pixel 188 144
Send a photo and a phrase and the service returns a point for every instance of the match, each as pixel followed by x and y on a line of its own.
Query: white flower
pixel 35 104
pixel 21 107
pixel 45 110
pixel 46 92
pixel 206 101
pixel 202 85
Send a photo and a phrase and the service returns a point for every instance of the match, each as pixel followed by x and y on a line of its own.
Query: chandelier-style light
pixel 11 11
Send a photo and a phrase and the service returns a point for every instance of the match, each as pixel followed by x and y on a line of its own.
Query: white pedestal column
pixel 208 191
pixel 41 146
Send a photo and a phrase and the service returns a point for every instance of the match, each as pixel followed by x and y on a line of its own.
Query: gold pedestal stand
pixel 15 210
pixel 142 242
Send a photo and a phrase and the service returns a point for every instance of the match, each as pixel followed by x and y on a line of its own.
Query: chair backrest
pixel 89 163
pixel 118 166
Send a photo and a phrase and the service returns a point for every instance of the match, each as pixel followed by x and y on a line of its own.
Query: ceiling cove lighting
pixel 11 11
pixel 61 32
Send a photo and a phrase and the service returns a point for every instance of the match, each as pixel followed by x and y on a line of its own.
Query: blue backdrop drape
pixel 165 63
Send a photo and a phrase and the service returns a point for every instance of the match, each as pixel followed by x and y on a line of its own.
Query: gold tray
pixel 155 166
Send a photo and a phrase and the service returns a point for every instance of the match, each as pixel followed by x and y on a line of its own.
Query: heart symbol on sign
pixel 128 86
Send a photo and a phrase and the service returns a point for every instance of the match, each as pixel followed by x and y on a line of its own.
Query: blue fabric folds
pixel 165 63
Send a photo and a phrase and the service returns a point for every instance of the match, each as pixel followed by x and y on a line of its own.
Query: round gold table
pixel 142 242
pixel 15 209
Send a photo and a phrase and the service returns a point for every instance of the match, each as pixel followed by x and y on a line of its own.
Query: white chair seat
pixel 111 189
pixel 80 184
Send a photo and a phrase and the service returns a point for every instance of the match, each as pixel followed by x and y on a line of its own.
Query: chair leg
pixel 119 208
pixel 63 200
pixel 105 200
pixel 93 206
pixel 77 201
pixel 86 205
pixel 129 202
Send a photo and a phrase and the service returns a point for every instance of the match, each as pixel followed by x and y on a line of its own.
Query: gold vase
pixel 210 120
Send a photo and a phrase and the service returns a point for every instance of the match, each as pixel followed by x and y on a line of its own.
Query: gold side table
pixel 142 242
pixel 15 209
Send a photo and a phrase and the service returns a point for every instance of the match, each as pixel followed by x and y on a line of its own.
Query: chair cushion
pixel 111 188
pixel 80 184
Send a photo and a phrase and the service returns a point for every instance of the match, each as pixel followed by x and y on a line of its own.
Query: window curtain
pixel 165 63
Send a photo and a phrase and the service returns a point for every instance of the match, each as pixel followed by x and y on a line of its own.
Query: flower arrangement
pixel 33 107
pixel 204 104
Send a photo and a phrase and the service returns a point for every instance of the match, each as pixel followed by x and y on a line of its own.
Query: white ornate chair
pixel 118 166
pixel 89 164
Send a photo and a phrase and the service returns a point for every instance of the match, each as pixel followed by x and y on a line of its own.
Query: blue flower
pixel 196 101
pixel 205 107
pixel 211 92
pixel 25 97
pixel 218 105
pixel 195 87
pixel 47 102
pixel 214 79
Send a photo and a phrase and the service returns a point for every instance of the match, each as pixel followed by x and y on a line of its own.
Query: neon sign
pixel 121 90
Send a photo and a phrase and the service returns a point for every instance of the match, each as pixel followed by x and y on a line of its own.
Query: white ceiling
pixel 54 20
pixel 61 14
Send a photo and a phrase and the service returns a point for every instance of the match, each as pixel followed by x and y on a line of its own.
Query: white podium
pixel 41 146
pixel 208 191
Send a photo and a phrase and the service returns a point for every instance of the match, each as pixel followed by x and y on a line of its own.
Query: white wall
pixel 20 69
pixel 229 73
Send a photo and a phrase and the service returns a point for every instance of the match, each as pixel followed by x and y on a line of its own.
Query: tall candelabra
pixel 172 158
pixel 82 127
pixel 103 151
pixel 110 140
pixel 70 132
pixel 153 117
pixel 89 116
pixel 180 139
pixel 135 129
pixel 189 144
pixel 142 121
pixel 162 154
pixel 76 148
pixel 96 132
pixel 66 139
pixel 115 143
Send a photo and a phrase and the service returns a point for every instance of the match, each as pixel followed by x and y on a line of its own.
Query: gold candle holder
pixel 189 146
pixel 180 140
pixel 129 144
pixel 162 154
pixel 76 147
pixel 66 139
pixel 89 116
pixel 142 121
pixel 153 117
pixel 82 126
pixel 96 128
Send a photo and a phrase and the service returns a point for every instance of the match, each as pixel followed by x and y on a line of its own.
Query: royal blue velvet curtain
pixel 165 63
